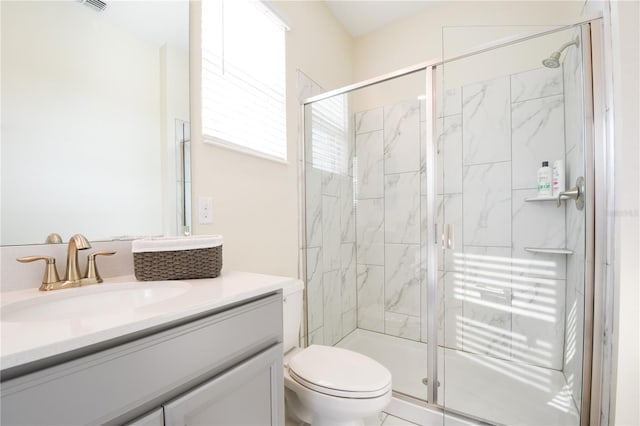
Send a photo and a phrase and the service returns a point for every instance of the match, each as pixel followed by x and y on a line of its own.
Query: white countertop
pixel 27 341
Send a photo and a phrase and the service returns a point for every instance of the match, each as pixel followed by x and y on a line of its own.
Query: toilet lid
pixel 339 372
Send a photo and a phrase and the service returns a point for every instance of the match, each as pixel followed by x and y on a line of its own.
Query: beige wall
pixel 255 201
pixel 625 22
pixel 419 38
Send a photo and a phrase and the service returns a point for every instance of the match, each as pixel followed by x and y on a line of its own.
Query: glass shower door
pixel 511 263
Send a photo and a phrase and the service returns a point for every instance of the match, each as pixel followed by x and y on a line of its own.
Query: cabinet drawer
pixel 249 394
pixel 119 384
pixel 155 418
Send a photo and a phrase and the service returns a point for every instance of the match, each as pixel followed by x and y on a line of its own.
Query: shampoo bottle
pixel 544 180
pixel 558 175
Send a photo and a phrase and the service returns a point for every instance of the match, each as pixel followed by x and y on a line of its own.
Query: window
pixel 329 135
pixel 243 77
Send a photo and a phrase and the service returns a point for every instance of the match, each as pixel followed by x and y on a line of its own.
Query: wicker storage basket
pixel 177 258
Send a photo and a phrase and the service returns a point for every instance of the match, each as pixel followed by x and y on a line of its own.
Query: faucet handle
pixel 50 272
pixel 92 268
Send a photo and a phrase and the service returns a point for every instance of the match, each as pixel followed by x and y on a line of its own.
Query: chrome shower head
pixel 553 61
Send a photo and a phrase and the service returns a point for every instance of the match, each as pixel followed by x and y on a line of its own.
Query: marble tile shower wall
pixel 388 220
pixel 366 234
pixel 330 234
pixel 496 298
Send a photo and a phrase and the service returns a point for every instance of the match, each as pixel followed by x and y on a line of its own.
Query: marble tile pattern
pixel 450 312
pixel 487 204
pixel 368 121
pixel 349 321
pixel 402 278
pixel 536 83
pixel 449 102
pixel 486 127
pixel 316 337
pixel 371 297
pixel 370 165
pixel 330 232
pixel 370 231
pixel 482 281
pixel 313 194
pixel 348 277
pixel 499 300
pixel 486 324
pixel 332 307
pixel 537 135
pixel 330 183
pixel 315 297
pixel 402 208
pixel 450 149
pixel 503 321
pixel 538 322
pixel 401 325
pixel 347 210
pixel 389 167
pixel 402 137
pixel 537 224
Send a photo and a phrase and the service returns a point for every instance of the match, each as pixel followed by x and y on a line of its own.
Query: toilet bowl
pixel 325 385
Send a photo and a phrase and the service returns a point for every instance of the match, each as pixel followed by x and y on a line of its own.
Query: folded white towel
pixel 175 243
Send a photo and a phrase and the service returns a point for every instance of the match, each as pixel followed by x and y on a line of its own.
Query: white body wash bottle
pixel 558 183
pixel 544 180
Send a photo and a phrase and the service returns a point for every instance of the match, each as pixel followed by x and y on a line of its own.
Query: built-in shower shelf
pixel 549 250
pixel 544 198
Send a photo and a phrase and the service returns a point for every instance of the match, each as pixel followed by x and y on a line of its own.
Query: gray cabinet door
pixel 249 394
pixel 155 418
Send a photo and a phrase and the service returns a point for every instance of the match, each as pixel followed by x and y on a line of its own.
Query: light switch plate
pixel 205 210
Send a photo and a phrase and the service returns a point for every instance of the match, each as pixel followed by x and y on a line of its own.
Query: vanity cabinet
pixel 223 368
pixel 235 398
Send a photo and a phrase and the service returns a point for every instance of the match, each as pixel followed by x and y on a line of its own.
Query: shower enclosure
pixel 425 243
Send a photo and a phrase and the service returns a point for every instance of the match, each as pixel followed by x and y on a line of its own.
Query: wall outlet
pixel 205 210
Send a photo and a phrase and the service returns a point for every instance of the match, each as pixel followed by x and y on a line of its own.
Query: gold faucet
pixel 72 276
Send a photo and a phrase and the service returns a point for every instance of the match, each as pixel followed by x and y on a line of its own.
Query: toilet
pixel 325 385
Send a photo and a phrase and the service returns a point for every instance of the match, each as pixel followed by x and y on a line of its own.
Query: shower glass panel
pixel 511 264
pixel 364 226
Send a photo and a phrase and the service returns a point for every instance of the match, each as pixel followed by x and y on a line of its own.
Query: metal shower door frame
pixel 599 225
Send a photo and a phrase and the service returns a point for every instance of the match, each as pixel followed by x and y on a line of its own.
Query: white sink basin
pixel 91 301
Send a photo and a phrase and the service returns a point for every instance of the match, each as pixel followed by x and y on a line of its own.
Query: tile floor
pixel 385 419
pixel 382 419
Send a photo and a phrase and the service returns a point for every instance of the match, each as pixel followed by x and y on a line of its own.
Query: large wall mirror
pixel 95 113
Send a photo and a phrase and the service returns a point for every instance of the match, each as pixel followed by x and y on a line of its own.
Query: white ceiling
pixel 360 17
pixel 156 21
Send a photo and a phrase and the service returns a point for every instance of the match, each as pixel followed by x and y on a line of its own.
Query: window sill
pixel 242 150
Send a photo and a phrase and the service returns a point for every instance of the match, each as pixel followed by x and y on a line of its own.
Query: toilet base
pixel 318 409
pixel 300 417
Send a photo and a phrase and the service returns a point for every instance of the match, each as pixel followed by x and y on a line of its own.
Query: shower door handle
pixel 447 237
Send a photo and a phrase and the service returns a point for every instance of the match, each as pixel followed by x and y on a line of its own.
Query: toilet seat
pixel 339 372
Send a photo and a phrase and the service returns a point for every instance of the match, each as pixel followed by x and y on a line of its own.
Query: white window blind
pixel 329 135
pixel 243 77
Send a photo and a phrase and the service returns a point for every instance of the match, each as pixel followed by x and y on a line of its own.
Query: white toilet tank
pixel 291 313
